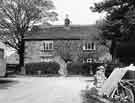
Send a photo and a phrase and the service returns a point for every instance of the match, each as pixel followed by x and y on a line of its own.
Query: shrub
pixel 91 96
pixel 44 67
pixel 78 68
pixel 109 69
pixel 14 68
pixel 94 67
pixel 87 96
pixel 74 68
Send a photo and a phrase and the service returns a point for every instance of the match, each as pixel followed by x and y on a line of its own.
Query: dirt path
pixel 43 90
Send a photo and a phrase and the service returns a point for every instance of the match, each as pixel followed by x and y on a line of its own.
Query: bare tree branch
pixel 18 16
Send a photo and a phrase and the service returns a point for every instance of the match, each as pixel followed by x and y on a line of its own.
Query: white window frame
pixel 88 46
pixel 89 60
pixel 46 59
pixel 45 45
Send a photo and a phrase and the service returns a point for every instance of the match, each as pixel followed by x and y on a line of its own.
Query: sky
pixel 78 11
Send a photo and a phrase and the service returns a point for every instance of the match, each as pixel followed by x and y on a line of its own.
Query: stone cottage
pixel 75 43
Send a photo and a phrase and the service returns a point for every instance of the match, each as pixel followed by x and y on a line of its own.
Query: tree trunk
pixel 113 50
pixel 21 57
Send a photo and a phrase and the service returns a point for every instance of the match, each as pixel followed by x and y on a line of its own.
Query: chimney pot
pixel 67 21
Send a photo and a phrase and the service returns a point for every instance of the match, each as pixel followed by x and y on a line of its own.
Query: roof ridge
pixel 58 31
pixel 53 26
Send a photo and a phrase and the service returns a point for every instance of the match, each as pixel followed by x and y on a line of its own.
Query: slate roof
pixel 61 32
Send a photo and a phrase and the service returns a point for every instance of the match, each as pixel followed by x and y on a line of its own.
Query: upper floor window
pixel 89 46
pixel 46 45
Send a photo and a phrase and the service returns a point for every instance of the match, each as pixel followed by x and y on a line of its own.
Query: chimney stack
pixel 67 21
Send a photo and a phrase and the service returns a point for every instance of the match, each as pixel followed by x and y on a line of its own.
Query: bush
pixel 78 68
pixel 109 69
pixel 12 68
pixel 87 96
pixel 94 67
pixel 82 68
pixel 91 96
pixel 44 67
pixel 74 68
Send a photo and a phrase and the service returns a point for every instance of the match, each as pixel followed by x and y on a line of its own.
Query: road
pixel 43 90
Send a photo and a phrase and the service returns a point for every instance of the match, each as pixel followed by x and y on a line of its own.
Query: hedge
pixel 14 68
pixel 110 67
pixel 43 67
pixel 53 68
pixel 79 68
pixel 82 68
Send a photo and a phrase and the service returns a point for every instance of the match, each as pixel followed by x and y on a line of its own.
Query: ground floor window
pixel 46 59
pixel 89 60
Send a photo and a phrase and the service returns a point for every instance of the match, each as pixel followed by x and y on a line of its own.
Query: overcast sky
pixel 78 11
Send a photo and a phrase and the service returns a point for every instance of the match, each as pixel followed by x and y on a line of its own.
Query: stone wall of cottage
pixel 67 49
pixel 32 51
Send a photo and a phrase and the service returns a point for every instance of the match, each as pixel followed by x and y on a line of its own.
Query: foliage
pixel 91 96
pixel 79 68
pixel 64 50
pixel 110 67
pixel 12 67
pixel 44 67
pixel 74 68
pixel 118 24
pixel 19 16
pixel 86 94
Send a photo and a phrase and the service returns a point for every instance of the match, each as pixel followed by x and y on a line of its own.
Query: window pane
pixel 50 46
pixel 92 44
pixel 86 46
pixel 47 46
pixel 43 47
pixel 89 46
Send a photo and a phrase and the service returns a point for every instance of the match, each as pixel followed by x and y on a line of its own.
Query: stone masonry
pixel 63 48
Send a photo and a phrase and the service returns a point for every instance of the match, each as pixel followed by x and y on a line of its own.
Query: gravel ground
pixel 42 89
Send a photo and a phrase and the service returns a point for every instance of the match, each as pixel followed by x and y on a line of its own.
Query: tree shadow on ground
pixel 6 83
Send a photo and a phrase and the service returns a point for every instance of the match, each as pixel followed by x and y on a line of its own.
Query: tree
pixel 119 22
pixel 18 17
pixel 64 50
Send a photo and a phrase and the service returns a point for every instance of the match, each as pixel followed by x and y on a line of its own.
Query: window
pixel 46 45
pixel 46 59
pixel 89 60
pixel 89 46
